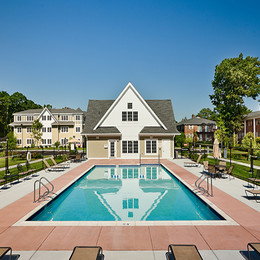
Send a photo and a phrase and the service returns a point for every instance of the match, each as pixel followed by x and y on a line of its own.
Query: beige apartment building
pixel 58 125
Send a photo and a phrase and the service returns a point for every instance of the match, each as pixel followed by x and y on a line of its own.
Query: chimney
pixel 192 115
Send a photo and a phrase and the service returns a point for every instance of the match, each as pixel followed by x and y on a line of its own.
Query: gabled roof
pixel 128 87
pixel 197 121
pixel 98 108
pixel 43 111
pixel 53 111
pixel 163 109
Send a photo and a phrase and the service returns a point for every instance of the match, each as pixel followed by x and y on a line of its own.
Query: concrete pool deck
pixel 127 242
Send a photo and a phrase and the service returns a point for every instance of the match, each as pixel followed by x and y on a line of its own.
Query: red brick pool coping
pixel 226 237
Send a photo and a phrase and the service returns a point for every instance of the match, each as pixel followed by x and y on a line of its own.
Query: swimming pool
pixel 126 193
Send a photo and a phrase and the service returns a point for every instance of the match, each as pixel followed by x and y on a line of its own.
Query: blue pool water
pixel 132 193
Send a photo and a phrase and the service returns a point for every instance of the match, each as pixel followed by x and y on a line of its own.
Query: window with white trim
pixel 44 129
pixel 29 118
pixel 151 173
pixel 190 126
pixel 49 129
pixel 19 141
pixel 28 129
pixel 129 146
pixel 49 141
pixel 64 117
pixel 151 146
pixel 19 118
pixel 77 129
pixel 63 141
pixel 43 141
pixel 77 117
pixel 29 141
pixel 19 130
pixel 64 129
pixel 49 118
pixel 43 118
pixel 129 116
pixel 130 173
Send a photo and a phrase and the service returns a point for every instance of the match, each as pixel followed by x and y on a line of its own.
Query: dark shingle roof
pixel 97 109
pixel 53 111
pixel 163 109
pixel 196 121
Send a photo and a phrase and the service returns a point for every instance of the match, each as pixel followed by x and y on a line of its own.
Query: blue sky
pixel 64 53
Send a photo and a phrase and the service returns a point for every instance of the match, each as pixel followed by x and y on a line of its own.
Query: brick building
pixel 251 124
pixel 203 127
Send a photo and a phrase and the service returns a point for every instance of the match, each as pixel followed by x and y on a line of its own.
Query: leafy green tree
pixel 179 139
pixel 234 80
pixel 48 106
pixel 222 133
pixel 4 119
pixel 57 144
pixel 36 131
pixel 10 104
pixel 208 114
pixel 12 141
pixel 248 140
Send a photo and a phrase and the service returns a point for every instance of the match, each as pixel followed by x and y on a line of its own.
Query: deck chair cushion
pixel 184 252
pixel 86 252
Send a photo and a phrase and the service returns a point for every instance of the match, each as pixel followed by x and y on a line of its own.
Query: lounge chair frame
pixel 192 164
pixel 78 253
pixel 52 168
pixel 255 247
pixel 183 252
pixel 255 179
pixel 64 165
pixel 254 193
pixel 4 250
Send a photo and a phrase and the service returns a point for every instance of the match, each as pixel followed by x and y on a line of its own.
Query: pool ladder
pixel 47 191
pixel 200 180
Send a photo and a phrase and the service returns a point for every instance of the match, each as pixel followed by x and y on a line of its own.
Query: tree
pixel 12 141
pixel 4 119
pixel 36 130
pixel 249 141
pixel 222 133
pixel 234 80
pixel 179 139
pixel 10 104
pixel 208 114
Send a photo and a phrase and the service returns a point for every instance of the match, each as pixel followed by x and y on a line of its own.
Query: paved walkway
pixel 128 242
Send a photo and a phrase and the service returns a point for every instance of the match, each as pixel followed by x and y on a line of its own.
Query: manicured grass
pixel 239 171
pixel 36 165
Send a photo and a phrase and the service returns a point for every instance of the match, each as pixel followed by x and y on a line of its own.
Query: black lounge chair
pixel 183 252
pixel 87 253
pixel 255 246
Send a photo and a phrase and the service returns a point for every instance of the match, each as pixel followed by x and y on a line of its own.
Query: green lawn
pixel 239 171
pixel 33 165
